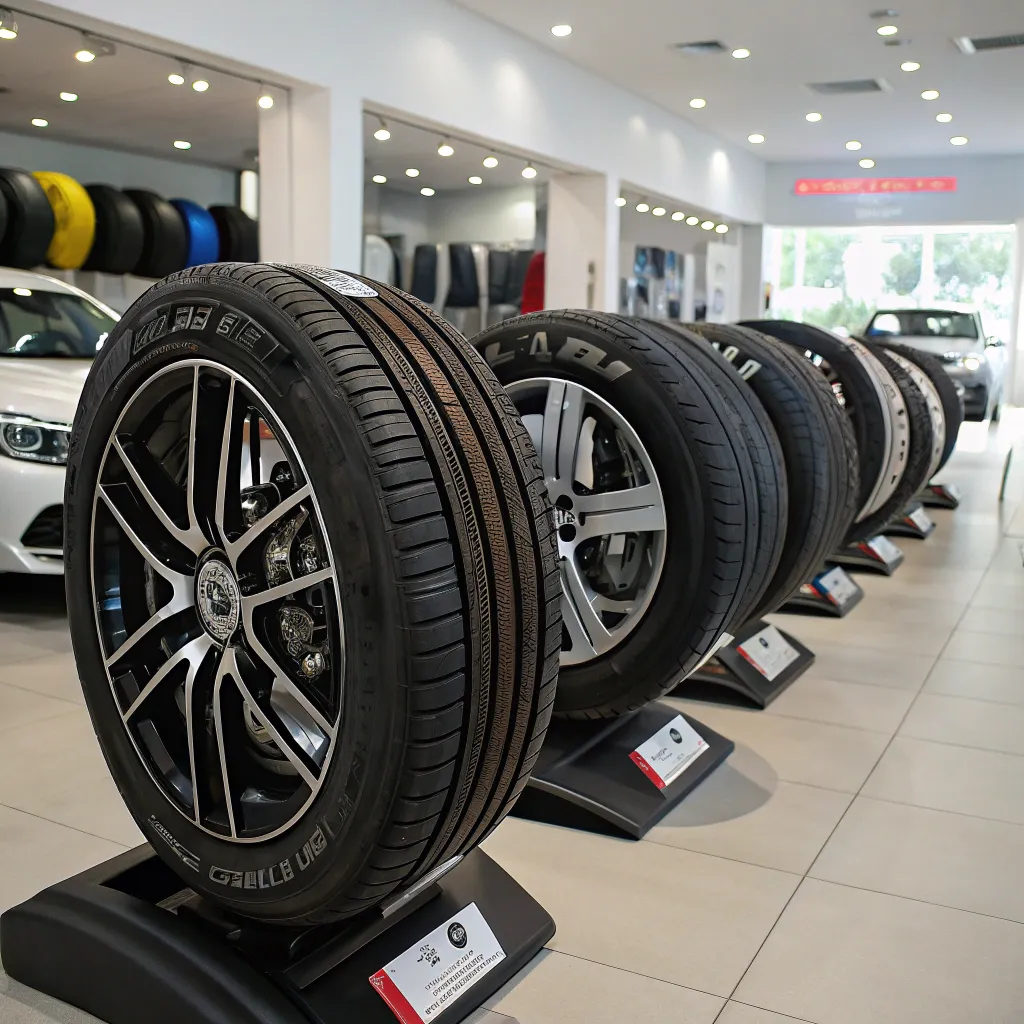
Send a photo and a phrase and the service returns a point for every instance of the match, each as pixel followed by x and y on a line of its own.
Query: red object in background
pixel 533 285
pixel 870 186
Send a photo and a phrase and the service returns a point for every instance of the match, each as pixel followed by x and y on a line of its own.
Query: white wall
pixel 664 233
pixel 92 165
pixel 493 216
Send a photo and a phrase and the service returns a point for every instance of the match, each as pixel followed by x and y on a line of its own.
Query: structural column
pixel 1016 339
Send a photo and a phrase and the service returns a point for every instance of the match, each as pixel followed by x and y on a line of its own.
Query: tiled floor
pixel 857 860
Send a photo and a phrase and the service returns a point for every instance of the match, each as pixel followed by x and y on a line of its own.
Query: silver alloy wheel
pixel 609 512
pixel 216 601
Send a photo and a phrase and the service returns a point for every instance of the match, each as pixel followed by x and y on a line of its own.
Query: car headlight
pixel 972 363
pixel 24 437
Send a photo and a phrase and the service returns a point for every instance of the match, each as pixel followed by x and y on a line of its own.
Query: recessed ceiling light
pixel 40 122
pixel 182 144
pixel 529 171
pixel 475 179
pixel 658 211
pixel 943 118
pixel 85 56
pixel 200 85
pixel 490 161
pixel 642 207
pixel 812 116
pixel 428 191
pixel 910 65
pixel 757 138
pixel 741 53
pixel 620 201
pixel 445 149
pixel 867 163
pixel 697 103
pixel 930 94
pixel 678 215
pixel 959 140
pixel 266 101
pixel 707 225
pixel 382 134
pixel 853 145
pixel 69 97
pixel 175 79
pixel 412 172
pixel 887 30
pixel 561 30
pixel 692 221
pixel 722 228
pixel 379 179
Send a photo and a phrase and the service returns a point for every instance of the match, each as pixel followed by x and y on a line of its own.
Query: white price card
pixel 669 752
pixel 769 652
pixel 428 977
pixel 885 549
pixel 921 519
pixel 837 586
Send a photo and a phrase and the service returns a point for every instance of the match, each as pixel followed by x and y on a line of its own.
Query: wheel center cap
pixel 218 599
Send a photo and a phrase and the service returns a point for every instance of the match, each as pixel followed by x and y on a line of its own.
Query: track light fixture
pixel 382 134
pixel 529 171
pixel 266 100
pixel 93 47
pixel 8 26
pixel 445 149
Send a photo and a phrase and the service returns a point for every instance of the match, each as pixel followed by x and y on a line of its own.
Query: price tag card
pixel 428 977
pixel 769 652
pixel 921 519
pixel 669 752
pixel 885 549
pixel 837 586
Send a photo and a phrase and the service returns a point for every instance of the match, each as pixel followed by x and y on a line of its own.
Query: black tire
pixel 706 478
pixel 239 234
pixel 818 446
pixel 423 480
pixel 117 246
pixel 30 222
pixel 766 454
pixel 3 217
pixel 164 238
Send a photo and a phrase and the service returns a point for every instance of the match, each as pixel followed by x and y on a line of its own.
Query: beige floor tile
pixel 814 753
pixel 991 620
pixel 855 664
pixel 483 1016
pixel 20 1005
pixel 1003 684
pixel 682 917
pixel 935 856
pixel 896 588
pixel 1000 596
pixel 842 703
pixel 972 723
pixel 947 778
pixel 52 674
pixel 560 989
pixel 986 648
pixel 885 608
pixel 20 708
pixel 741 1013
pixel 893 635
pixel 942 579
pixel 56 771
pixel 846 956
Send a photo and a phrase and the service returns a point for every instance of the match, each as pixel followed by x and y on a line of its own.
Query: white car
pixel 49 334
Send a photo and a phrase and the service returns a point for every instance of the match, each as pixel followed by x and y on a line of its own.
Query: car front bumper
pixel 31 510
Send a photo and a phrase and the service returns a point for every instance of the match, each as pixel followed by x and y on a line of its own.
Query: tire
pixel 30 221
pixel 762 443
pixel 238 235
pixel 164 238
pixel 201 230
pixel 74 220
pixel 818 446
pixel 634 407
pixel 3 217
pixel 117 246
pixel 434 609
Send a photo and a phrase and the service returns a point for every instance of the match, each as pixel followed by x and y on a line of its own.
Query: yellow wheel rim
pixel 75 219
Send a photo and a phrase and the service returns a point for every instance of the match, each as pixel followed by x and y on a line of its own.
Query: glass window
pixel 924 323
pixel 51 325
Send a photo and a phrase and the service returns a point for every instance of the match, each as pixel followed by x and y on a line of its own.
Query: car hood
pixel 941 346
pixel 48 389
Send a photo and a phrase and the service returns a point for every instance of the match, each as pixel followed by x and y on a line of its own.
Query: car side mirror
pixel 994 342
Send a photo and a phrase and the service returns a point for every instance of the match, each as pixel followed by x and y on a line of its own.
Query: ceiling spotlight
pixel 697 103
pixel 8 26
pixel 707 225
pixel 490 161
pixel 93 47
pixel 426 191
pixel 382 134
pixel 475 179
pixel 693 221
pixel 182 144
pixel 887 30
pixel 867 163
pixel 757 138
pixel 529 171
pixel 658 211
pixel 445 149
pixel 175 79
pixel 642 207
pixel 812 116
pixel 853 145
pixel 69 97
pixel 200 85
pixel 41 122
pixel 930 94
pixel 678 215
pixel 620 201
pixel 379 179
pixel 741 53
pixel 85 56
pixel 910 65
pixel 561 30
pixel 722 229
pixel 412 172
pixel 943 118
pixel 266 101
pixel 959 140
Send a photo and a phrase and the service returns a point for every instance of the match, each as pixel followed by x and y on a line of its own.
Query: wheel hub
pixel 218 599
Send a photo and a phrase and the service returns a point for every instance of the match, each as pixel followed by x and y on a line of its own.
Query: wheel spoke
pixel 228 667
pixel 196 702
pixel 549 432
pixel 193 652
pixel 181 600
pixel 569 432
pixel 224 466
pixel 589 635
pixel 234 549
pixel 631 510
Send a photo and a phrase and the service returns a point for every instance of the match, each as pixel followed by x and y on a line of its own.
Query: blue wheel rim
pixel 203 237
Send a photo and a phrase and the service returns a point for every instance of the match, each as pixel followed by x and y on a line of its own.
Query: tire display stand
pixel 833 592
pixel 125 942
pixel 878 555
pixel 754 669
pixel 914 523
pixel 594 775
pixel 939 496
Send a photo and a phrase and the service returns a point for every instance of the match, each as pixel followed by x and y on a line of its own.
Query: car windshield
pixel 50 325
pixel 923 323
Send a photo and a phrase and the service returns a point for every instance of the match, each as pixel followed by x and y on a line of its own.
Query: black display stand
pixel 939 496
pixel 864 558
pixel 585 779
pixel 815 598
pixel 730 678
pixel 915 523
pixel 125 943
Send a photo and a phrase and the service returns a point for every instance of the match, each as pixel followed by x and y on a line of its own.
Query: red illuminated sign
pixel 870 186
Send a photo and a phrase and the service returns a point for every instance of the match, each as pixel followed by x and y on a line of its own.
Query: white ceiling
pixel 793 43
pixel 125 100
